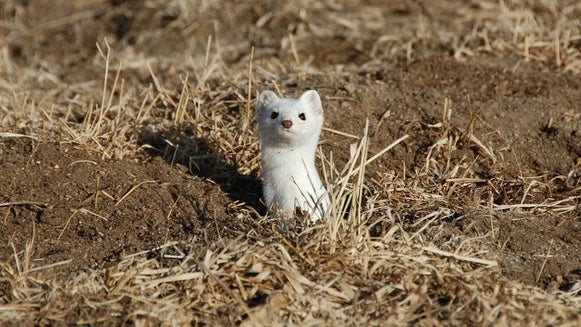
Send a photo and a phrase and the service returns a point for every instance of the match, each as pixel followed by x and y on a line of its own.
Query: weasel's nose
pixel 287 124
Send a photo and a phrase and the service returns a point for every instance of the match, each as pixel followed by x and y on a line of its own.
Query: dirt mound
pixel 80 206
pixel 76 207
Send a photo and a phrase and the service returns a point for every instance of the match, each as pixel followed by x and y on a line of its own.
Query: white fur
pixel 290 178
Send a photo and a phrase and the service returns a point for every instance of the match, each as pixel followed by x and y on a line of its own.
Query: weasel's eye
pixel 302 116
pixel 273 115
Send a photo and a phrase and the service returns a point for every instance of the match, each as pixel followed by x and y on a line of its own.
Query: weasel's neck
pixel 300 157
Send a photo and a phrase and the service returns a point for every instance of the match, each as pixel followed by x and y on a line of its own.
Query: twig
pixel 150 250
pixel 23 203
pixel 8 134
pixel 544 262
pixel 133 189
pixel 85 211
pixel 248 98
pixel 172 207
pixel 334 131
pixel 490 263
pixel 370 160
pixel 52 265
pixel 67 224
pixel 82 161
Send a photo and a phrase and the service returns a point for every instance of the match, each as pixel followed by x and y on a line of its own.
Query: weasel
pixel 289 132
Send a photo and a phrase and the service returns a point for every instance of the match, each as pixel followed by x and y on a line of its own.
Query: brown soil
pixel 74 205
pixel 144 202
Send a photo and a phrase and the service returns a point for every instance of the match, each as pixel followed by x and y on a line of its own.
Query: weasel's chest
pixel 295 172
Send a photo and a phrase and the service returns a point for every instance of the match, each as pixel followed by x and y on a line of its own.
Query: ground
pixel 129 157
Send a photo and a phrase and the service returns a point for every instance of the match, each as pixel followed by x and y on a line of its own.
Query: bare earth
pixel 493 147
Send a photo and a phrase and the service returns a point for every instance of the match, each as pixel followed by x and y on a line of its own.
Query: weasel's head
pixel 289 121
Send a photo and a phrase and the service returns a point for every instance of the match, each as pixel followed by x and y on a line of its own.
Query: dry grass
pixel 341 271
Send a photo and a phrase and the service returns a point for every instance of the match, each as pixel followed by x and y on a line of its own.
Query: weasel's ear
pixel 265 98
pixel 312 100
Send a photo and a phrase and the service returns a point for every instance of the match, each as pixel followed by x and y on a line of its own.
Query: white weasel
pixel 289 133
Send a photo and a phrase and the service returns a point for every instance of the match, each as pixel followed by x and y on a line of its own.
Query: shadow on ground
pixel 177 147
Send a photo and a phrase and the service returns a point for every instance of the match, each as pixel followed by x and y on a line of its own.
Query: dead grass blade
pixel 132 189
